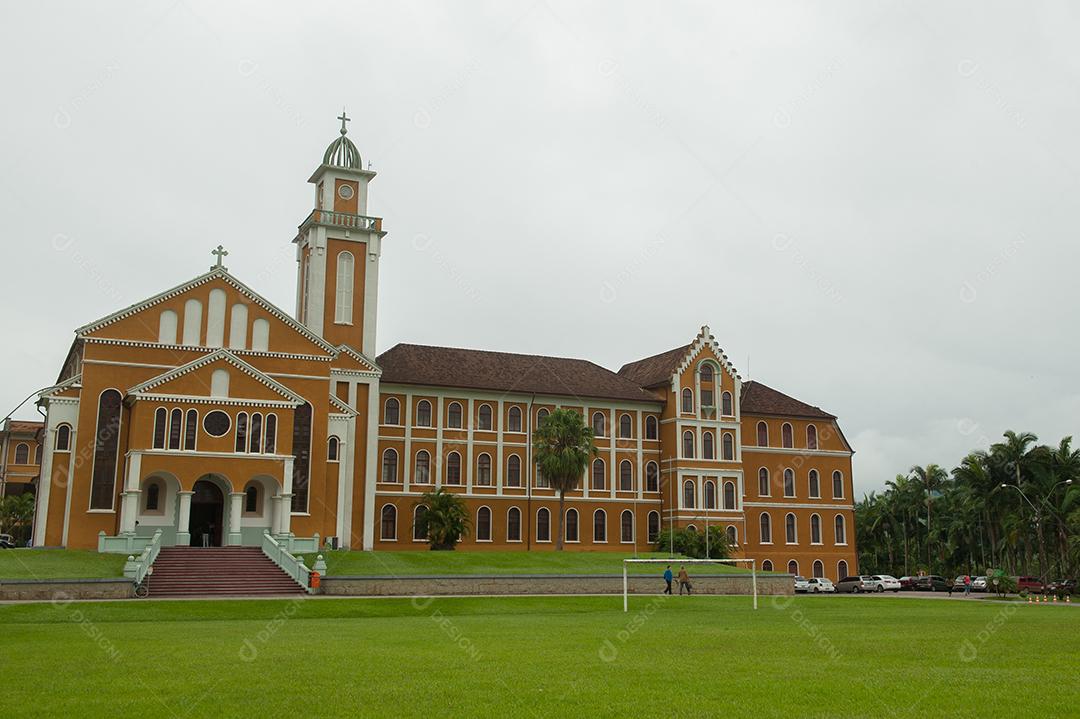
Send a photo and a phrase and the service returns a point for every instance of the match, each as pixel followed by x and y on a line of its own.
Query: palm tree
pixel 931 476
pixel 445 519
pixel 1016 455
pixel 563 448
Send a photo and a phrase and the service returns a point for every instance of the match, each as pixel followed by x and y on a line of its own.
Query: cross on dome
pixel 344 119
pixel 342 152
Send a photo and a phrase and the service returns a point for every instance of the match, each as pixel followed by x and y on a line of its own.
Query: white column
pixel 129 498
pixel 183 534
pixel 235 507
pixel 275 515
pixel 285 509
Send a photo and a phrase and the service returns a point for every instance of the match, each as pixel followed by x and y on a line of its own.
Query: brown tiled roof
pixel 654 370
pixel 504 372
pixel 761 399
pixel 23 426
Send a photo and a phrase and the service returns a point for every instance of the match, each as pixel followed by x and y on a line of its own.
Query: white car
pixel 801 585
pixel 881 583
pixel 820 585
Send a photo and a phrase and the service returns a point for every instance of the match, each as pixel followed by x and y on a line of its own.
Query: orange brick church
pixel 210 414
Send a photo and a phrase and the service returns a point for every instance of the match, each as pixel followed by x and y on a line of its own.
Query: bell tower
pixel 337 251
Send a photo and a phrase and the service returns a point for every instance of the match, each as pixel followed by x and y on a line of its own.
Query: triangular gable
pixel 703 340
pixel 341 407
pixel 160 384
pixel 350 359
pixel 69 387
pixel 214 274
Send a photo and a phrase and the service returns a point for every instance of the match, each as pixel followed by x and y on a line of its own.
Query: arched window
pixel 650 427
pixel 343 308
pixel 270 438
pixel 787 436
pixel 191 428
pixel 837 485
pixel 541 481
pixel 483 417
pixel 483 524
pixel 626 526
pixel 251 499
pixel 732 535
pixel 710 494
pixel 598 474
pixel 332 449
pixel 652 477
pixel 819 569
pixel 571 533
pixel 811 436
pixel 762 434
pixel 106 445
pixel 841 569
pixel 764 488
pixel 389 523
pixel 161 417
pixel 790 530
pixel 626 427
pixel 422 470
pixel 260 334
pixel 688 494
pixel 815 529
pixel 729 446
pixel 453 468
pixel 513 471
pixel 691 528
pixel 219 383
pixel 789 483
pixel 389 465
pixel 513 419
pixel 192 323
pixel 543 525
pixel 301 451
pixel 256 432
pixel 766 566
pixel 241 431
pixel 598 424
pixel 63 438
pixel 793 567
pixel 541 415
pixel 423 413
pixel 706 373
pixel 176 420
pixel 840 529
pixel 599 526
pixel 153 496
pixel 653 528
pixel 483 470
pixel 419 530
pixel 814 484
pixel 167 322
pixel 765 522
pixel 688 444
pixel 392 411
pixel 707 446
pixel 729 495
pixel 688 401
pixel 513 525
pixel 626 476
pixel 727 408
pixel 453 415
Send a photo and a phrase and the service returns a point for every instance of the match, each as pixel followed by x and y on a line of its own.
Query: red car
pixel 1032 584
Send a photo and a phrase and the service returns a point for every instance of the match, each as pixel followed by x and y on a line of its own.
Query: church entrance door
pixel 207 511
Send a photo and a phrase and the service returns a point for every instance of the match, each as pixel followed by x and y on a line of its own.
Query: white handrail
pixel 137 569
pixel 289 564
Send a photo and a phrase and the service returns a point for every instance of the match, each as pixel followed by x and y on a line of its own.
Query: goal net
pixel 628 563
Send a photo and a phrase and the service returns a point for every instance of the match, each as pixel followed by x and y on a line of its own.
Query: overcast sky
pixel 872 204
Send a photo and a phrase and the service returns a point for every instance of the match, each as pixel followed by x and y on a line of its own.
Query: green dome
pixel 342 152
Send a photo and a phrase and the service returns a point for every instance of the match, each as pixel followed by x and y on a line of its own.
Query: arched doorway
pixel 207 514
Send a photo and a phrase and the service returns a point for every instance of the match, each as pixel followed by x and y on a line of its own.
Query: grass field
pixel 540 656
pixel 59 564
pixel 353 564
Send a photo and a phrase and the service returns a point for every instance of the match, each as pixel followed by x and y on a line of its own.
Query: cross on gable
pixel 220 253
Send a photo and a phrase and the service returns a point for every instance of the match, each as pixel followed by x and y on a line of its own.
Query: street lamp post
pixel 1038 518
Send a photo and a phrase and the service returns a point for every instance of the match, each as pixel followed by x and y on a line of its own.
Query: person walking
pixel 967 585
pixel 684 581
pixel 668 576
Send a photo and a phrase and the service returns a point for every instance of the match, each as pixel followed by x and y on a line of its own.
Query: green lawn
pixel 541 656
pixel 59 564
pixel 354 564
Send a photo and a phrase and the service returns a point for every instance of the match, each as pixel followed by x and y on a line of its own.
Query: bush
pixel 691 543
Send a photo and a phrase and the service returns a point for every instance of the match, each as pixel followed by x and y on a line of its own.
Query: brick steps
pixel 218 571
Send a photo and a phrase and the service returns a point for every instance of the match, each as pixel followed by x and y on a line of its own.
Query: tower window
pixel 344 307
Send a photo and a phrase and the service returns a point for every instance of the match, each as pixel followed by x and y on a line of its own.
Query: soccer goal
pixel 693 562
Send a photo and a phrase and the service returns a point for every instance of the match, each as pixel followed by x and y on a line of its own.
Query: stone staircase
pixel 218 572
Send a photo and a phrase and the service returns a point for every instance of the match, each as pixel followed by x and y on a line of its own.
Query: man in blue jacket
pixel 668 576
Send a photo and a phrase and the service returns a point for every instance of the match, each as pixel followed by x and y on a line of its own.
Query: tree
pixel 16 512
pixel 445 519
pixel 931 477
pixel 562 449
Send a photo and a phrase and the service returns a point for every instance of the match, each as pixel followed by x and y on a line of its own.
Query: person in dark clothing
pixel 667 578
pixel 684 581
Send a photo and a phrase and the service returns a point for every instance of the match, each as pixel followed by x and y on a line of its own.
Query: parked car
pixel 958 583
pixel 801 584
pixel 850 585
pixel 882 583
pixel 932 583
pixel 978 584
pixel 7 541
pixel 1061 587
pixel 1031 584
pixel 820 585
pixel 907 583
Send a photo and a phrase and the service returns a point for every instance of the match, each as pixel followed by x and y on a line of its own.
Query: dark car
pixel 850 585
pixel 932 583
pixel 907 583
pixel 1031 584
pixel 1061 587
